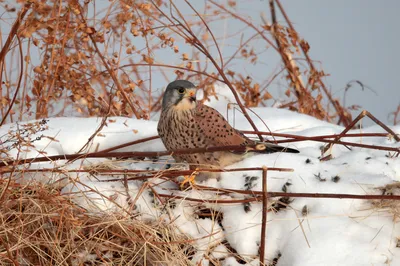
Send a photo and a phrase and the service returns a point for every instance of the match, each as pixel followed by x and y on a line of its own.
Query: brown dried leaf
pixel 38 70
pixel 266 27
pixel 231 3
pixel 287 92
pixel 90 30
pixel 147 59
pixel 305 46
pixel 267 96
pixel 230 73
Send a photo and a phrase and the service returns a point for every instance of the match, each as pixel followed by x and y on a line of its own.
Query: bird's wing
pixel 217 129
pixel 220 133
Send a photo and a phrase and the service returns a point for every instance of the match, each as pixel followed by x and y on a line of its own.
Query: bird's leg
pixel 190 178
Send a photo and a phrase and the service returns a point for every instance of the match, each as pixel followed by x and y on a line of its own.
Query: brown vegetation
pixel 101 58
pixel 97 59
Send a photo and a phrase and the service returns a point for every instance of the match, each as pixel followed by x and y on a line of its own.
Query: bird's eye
pixel 181 90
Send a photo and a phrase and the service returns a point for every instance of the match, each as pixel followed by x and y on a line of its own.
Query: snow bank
pixel 307 232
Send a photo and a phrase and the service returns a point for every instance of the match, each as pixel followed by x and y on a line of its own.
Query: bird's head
pixel 180 94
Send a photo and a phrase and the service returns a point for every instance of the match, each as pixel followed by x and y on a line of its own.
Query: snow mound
pixel 301 231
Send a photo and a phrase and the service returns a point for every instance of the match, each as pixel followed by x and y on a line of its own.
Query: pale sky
pixel 350 40
pixel 354 39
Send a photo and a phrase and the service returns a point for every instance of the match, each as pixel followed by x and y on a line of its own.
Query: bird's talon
pixel 189 179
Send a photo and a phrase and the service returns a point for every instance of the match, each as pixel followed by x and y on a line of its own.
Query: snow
pixel 309 231
pixel 65 135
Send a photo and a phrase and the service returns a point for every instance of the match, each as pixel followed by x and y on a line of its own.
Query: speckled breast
pixel 178 130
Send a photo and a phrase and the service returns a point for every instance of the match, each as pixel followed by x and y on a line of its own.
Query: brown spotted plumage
pixel 186 123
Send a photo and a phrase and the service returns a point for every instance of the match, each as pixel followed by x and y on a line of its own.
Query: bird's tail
pixel 265 147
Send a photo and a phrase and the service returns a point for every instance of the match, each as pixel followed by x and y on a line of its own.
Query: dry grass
pixel 389 206
pixel 38 226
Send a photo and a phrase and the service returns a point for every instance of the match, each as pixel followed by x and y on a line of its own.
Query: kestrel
pixel 186 123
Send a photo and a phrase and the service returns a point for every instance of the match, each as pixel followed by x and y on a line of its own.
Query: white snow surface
pixel 310 231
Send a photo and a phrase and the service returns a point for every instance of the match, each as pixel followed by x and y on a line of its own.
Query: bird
pixel 187 123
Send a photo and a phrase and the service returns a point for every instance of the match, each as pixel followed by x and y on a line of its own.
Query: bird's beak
pixel 191 94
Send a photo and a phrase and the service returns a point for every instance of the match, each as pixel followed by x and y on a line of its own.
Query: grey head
pixel 179 92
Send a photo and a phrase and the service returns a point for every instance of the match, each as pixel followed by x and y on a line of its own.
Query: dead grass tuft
pixel 38 226
pixel 390 206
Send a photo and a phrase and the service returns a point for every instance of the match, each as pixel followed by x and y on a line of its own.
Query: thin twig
pixel 200 46
pixel 21 54
pixel 109 70
pixel 343 115
pixel 353 123
pixel 130 154
pixel 5 49
pixel 264 215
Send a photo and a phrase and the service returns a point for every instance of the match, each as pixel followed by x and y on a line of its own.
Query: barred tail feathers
pixel 263 147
